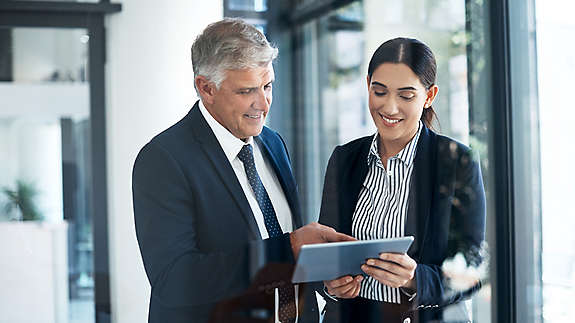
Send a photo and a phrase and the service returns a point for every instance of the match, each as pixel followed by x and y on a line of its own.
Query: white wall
pixel 149 87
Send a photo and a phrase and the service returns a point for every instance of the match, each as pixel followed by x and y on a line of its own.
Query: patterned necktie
pixel 287 309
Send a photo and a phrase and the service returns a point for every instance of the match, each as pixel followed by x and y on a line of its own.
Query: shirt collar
pixel 231 145
pixel 406 155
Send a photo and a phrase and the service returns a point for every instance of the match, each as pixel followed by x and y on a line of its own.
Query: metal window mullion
pixel 501 145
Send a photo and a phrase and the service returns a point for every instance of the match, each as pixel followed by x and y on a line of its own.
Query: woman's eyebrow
pixel 407 88
pixel 377 83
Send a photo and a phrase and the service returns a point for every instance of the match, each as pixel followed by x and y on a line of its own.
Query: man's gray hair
pixel 230 44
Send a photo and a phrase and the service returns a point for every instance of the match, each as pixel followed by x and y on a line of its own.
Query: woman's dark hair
pixel 414 54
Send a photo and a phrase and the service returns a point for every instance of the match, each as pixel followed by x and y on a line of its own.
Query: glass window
pixel 551 73
pixel 248 5
pixel 334 50
pixel 46 228
pixel 61 0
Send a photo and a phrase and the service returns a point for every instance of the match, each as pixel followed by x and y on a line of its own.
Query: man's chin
pixel 251 133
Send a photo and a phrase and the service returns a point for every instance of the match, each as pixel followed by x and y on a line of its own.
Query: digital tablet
pixel 327 261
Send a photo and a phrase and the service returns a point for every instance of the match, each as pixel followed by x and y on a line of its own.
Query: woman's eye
pixel 379 93
pixel 407 96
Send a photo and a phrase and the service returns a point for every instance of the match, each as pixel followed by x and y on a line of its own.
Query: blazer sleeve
pixel 466 235
pixel 329 211
pixel 179 271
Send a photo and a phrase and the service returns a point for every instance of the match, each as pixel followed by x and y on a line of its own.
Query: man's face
pixel 243 101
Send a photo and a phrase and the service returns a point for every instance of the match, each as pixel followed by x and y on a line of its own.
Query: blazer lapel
pixel 355 174
pixel 220 163
pixel 284 174
pixel 421 192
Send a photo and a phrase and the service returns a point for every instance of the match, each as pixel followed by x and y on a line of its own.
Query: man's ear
pixel 206 89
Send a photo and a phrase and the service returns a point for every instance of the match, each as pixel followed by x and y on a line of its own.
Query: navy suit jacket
pixel 446 210
pixel 200 243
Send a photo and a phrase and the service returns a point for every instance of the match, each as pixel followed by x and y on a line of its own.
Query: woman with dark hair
pixel 404 180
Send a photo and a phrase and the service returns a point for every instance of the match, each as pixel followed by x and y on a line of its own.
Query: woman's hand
pixel 392 269
pixel 344 287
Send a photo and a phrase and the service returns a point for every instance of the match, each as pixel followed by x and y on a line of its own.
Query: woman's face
pixel 396 101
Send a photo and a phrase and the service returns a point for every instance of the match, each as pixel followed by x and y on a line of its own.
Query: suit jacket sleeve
pixel 179 271
pixel 466 234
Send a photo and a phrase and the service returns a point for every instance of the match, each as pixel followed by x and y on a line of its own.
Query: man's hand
pixel 344 287
pixel 315 233
pixel 392 269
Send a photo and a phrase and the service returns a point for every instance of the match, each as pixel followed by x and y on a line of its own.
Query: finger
pixel 401 259
pixel 331 236
pixel 352 291
pixel 356 291
pixel 393 268
pixel 338 282
pixel 359 279
pixel 343 290
pixel 383 276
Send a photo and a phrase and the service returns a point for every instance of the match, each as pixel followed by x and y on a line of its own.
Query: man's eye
pixel 245 91
pixel 379 93
pixel 267 87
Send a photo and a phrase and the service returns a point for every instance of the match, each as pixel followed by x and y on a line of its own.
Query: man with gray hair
pixel 217 214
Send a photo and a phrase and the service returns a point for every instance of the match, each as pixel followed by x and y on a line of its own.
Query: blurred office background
pixel 85 84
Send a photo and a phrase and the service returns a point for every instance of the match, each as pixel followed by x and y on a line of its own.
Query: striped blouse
pixel 381 209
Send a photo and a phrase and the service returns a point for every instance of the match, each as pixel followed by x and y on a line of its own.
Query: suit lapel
pixel 285 177
pixel 221 164
pixel 421 191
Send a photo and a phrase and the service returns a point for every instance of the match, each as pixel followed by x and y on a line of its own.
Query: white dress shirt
pixel 231 146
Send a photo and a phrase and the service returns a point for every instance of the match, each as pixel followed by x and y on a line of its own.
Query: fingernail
pixel 349 280
pixel 359 278
pixel 370 262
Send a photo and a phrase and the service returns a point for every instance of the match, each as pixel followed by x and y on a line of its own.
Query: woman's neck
pixel 390 148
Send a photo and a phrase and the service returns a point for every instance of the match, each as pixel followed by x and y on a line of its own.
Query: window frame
pixel 90 16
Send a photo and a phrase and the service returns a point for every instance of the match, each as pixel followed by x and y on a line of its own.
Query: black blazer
pixel 200 243
pixel 446 210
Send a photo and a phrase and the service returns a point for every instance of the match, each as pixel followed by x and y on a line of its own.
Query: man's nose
pixel 262 101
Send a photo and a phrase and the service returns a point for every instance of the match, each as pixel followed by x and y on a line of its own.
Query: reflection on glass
pixel 45 203
pixel 335 51
pixel 61 0
pixel 248 5
pixel 555 66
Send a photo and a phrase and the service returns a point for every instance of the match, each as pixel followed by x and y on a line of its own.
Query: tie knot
pixel 246 155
